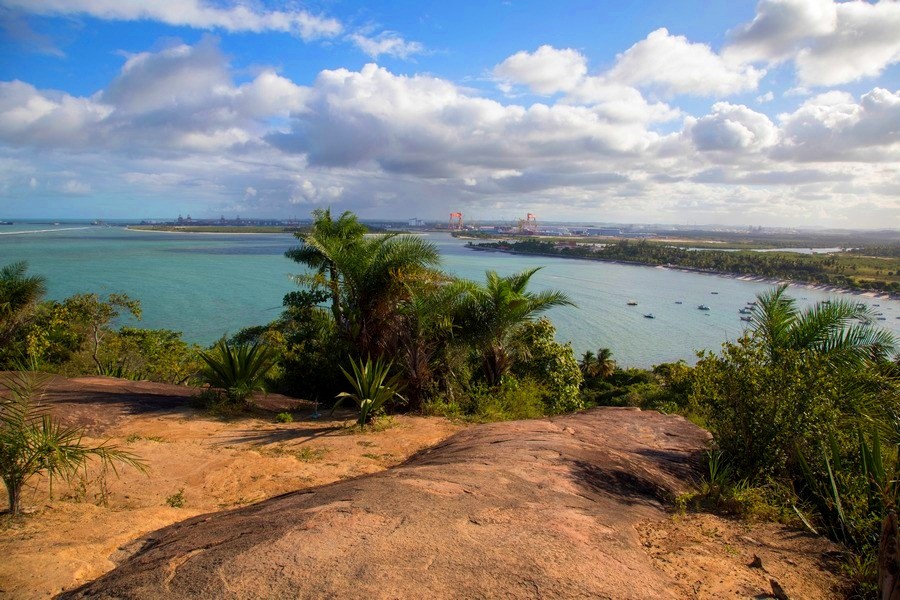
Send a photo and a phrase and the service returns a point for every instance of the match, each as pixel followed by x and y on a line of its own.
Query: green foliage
pixel 551 364
pixel 514 399
pixel 845 270
pixel 237 370
pixel 33 443
pixel 19 294
pixel 176 500
pixel 494 315
pixel 372 387
pixel 284 417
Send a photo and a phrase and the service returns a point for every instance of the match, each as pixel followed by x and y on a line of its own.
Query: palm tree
pixel 495 313
pixel 33 443
pixel 18 295
pixel 841 330
pixel 238 370
pixel 371 277
pixel 330 234
pixel 598 365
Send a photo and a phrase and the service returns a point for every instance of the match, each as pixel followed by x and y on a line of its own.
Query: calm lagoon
pixel 206 285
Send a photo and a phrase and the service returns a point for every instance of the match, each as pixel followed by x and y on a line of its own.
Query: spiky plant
pixel 372 387
pixel 33 443
pixel 238 370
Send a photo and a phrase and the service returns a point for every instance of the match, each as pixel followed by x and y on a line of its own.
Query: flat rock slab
pixel 545 508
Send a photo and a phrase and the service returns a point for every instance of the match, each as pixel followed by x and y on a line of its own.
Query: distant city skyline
pixel 777 113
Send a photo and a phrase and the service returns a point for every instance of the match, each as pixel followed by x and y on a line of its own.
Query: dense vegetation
pixel 842 270
pixel 804 408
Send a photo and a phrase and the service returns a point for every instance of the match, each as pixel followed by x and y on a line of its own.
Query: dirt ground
pixel 201 464
pixel 710 557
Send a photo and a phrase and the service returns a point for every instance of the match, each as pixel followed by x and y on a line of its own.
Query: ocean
pixel 208 285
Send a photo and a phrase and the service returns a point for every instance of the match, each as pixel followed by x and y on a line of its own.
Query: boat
pixel 679 302
pixel 748 319
pixel 745 311
pixel 703 307
pixel 631 303
pixel 751 303
pixel 649 316
pixel 715 293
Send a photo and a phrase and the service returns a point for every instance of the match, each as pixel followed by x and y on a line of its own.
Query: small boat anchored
pixel 649 316
pixel 745 311
pixel 747 319
pixel 703 307
pixel 631 303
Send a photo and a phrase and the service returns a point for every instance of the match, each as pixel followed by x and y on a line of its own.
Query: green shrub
pixel 176 500
pixel 372 388
pixel 237 370
pixel 33 443
pixel 284 417
pixel 552 365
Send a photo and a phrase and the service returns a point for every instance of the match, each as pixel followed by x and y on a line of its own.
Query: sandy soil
pixel 710 557
pixel 213 464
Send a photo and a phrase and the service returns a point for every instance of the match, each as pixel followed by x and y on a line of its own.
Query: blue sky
pixel 778 112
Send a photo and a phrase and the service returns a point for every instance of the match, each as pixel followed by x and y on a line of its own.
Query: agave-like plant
pixel 372 387
pixel 33 443
pixel 238 370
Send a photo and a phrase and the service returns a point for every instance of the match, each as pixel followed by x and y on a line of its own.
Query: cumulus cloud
pixel 386 42
pixel 829 42
pixel 834 126
pixel 190 13
pixel 674 65
pixel 547 70
pixel 388 144
pixel 182 97
pixel 732 128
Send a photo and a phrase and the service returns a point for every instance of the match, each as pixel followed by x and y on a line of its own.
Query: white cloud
pixel 674 65
pixel 732 128
pixel 834 126
pixel 191 13
pixel 764 98
pixel 830 42
pixel 545 71
pixel 386 42
pixel 73 187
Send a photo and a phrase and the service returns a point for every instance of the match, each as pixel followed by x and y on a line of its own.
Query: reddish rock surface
pixel 546 508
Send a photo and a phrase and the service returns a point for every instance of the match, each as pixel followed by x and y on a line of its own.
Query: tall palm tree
pixel 495 314
pixel 841 330
pixel 19 293
pixel 599 365
pixel 370 277
pixel 331 234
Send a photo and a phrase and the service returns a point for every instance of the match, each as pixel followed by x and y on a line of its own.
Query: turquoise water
pixel 205 285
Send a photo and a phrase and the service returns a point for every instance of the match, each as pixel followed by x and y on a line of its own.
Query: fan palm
pixel 331 234
pixel 372 275
pixel 840 330
pixel 495 313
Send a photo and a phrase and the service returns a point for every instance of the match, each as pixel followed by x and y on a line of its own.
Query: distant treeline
pixel 840 270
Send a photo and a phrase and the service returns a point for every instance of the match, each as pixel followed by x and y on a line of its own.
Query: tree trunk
pixel 14 490
pixel 889 559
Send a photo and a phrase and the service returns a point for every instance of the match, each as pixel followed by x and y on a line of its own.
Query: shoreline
pixel 129 228
pixel 726 274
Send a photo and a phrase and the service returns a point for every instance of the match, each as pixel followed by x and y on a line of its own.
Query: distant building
pixel 607 231
pixel 416 223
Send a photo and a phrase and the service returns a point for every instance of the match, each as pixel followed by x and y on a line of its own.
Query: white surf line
pixel 42 231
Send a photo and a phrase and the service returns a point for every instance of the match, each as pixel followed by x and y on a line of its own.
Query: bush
pixel 284 417
pixel 237 370
pixel 33 443
pixel 552 365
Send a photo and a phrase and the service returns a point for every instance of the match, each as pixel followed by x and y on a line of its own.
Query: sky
pixel 695 112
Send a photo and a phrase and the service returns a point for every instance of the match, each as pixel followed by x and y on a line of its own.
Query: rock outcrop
pixel 545 508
